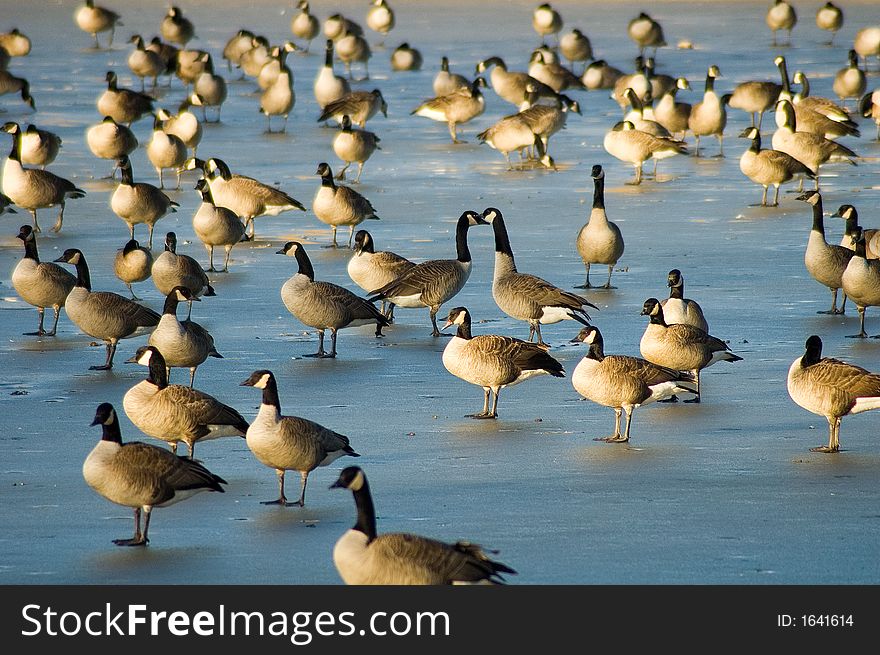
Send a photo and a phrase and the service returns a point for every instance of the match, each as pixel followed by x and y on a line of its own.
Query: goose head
pixel 457 316
pixel 363 242
pixel 674 279
pixel 811 197
pixel 258 379
pixel 652 308
pixel 351 478
pixel 104 415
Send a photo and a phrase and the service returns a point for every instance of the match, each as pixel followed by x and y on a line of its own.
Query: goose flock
pixel 419 238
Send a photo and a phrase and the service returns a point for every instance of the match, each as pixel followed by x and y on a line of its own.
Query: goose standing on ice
pixel 329 86
pixel 216 226
pixel 41 284
pixel 94 19
pixel 546 21
pixel 677 308
pixel 599 240
pixel 171 269
pixel 139 202
pixel 825 262
pixel 781 16
pixel 304 25
pixel 337 204
pixel 767 166
pixel 354 146
pixel 133 263
pixel 861 281
pixel 829 17
pixel 111 140
pixel 372 270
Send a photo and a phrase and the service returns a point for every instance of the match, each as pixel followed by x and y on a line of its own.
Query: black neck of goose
pixel 818 221
pixel 710 84
pixel 111 432
pixel 127 177
pixel 14 153
pixel 599 192
pixel 305 264
pixel 367 246
pixel 464 330
pixel 270 394
pixel 82 273
pixel 157 373
pixel 502 240
pixel 461 240
pixel 677 292
pixel 112 84
pixel 444 65
pixel 171 303
pixel 657 319
pixel 366 513
pixel 327 180
pixel 328 57
pixel 756 143
pixel 851 224
pixel 861 247
pixel 597 351
pixel 30 249
pixel 812 355
pixel 805 87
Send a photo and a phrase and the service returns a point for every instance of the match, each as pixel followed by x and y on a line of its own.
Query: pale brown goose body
pixel 41 284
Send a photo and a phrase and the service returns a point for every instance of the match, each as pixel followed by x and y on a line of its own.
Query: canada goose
pixel 867 43
pixel 600 75
pixel 493 361
pixel 111 140
pixel 812 150
pixel 253 60
pixel 680 347
pixel 191 63
pixel 9 83
pixel 278 60
pixel 123 105
pixel 546 120
pixel 637 81
pixel 132 263
pixel 336 26
pixel 766 167
pixel 380 17
pixel 781 16
pixel 352 145
pixel 165 150
pixel 338 205
pixel 304 25
pixel 512 133
pixel 829 17
pixel 209 90
pixel 329 86
pixel 5 205
pixel 247 197
pixel 174 412
pixel 4 59
pixel 140 475
pixel 372 270
pixel 41 284
pixel 804 101
pixel 869 107
pixel 33 188
pixel 93 19
pixel 184 344
pixel 546 21
pixel 852 229
pixel 406 58
pixel 139 202
pixel 512 86
pixel 628 144
pixel 861 280
pixel 637 118
pixel 176 27
pixel 144 63
pixel 756 97
pixel 433 282
pixel 850 82
pixel 460 106
pixel 575 46
pixel 39 147
pixel 660 84
pixel 167 53
pixel 599 241
pixel 824 262
pixel 445 82
pixel 646 32
pixel 290 443
pixel 677 308
pixel 359 105
pixel 278 99
pixel 184 125
pixel 364 557
pixel 216 226
pixel 622 382
pixel 15 43
pixel 323 305
pixel 103 314
pixel 351 49
pixel 544 67
pixel 172 269
pixel 527 297
pixel 238 44
pixel 831 388
pixel 709 116
pixel 671 114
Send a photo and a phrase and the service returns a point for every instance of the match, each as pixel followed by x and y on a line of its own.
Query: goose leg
pixel 40 332
pixel 537 328
pixel 638 173
pixel 282 499
pixel 350 235
pixel 862 334
pixel 192 376
pixel 453 134
pixel 334 244
pixel 139 539
pixel 332 352
pixel 764 197
pixel 111 350
pixel 150 226
pixel 36 225
pixel 610 270
pixel 434 310
pixel 834 309
pixel 210 250
pixel 320 352
pixel 586 285
pixel 696 398
pixel 226 259
pixel 721 145
pixel 390 314
pixel 131 291
pixel 485 412
pixel 57 226
pixel 57 309
pixel 357 179
pixel 616 437
pixel 776 197
pixel 341 174
pixel 302 493
pixel 697 147
pixel 833 437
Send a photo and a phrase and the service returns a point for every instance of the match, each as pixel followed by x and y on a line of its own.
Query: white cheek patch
pixel 263 382
pixel 358 482
pixel 111 418
pixel 591 337
pixel 144 360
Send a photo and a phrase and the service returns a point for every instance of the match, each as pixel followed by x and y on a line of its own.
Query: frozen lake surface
pixel 723 492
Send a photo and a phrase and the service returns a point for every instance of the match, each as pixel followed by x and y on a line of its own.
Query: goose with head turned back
pixel 166 150
pixel 804 104
pixel 144 63
pixel 102 314
pixel 133 263
pixel 111 140
pixel 677 308
pixel 767 166
pixel 184 125
pixel 171 269
pixel 646 32
pixel 433 282
pixel 216 226
pixel 861 281
pixel 324 305
pixel 544 66
pixel 124 105
pixel 39 147
pixel 238 44
pixel 290 443
pixel 406 58
pixel 546 21
pixel 372 270
pixel 633 146
pixel 829 17
pixel 547 120
pixel 493 361
pixel 359 105
pixel 781 16
pixel 93 19
pixel 34 188
pixel 174 412
pixel 622 382
pixel 831 388
pixel 176 27
pixel 599 241
pixel 364 557
pixel 758 96
pixel 337 204
pixel 183 344
pixel 680 347
pixel 41 284
pixel 825 262
pixel 601 75
pixel 671 114
pixel 139 202
pixel 353 48
pixel 141 476
pixel 209 90
pixel 380 17
pixel 527 297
